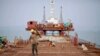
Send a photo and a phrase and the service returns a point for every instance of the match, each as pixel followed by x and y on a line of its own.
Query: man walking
pixel 34 40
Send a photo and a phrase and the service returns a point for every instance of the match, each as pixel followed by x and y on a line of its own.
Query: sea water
pixel 15 31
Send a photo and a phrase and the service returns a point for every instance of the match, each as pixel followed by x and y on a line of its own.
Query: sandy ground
pixel 61 49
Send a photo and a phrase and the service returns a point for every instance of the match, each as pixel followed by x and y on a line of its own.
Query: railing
pixel 55 27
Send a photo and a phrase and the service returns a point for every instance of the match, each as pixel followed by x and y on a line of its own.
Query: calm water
pixel 12 32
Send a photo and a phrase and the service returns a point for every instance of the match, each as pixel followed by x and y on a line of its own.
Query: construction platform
pixel 61 49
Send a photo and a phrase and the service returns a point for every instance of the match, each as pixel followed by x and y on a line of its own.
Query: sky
pixel 85 14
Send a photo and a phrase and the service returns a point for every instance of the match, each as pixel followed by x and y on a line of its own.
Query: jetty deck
pixel 61 49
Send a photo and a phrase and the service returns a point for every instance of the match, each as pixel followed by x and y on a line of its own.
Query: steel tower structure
pixel 61 16
pixel 44 16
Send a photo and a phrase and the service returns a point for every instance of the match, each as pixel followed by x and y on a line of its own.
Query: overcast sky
pixel 85 14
